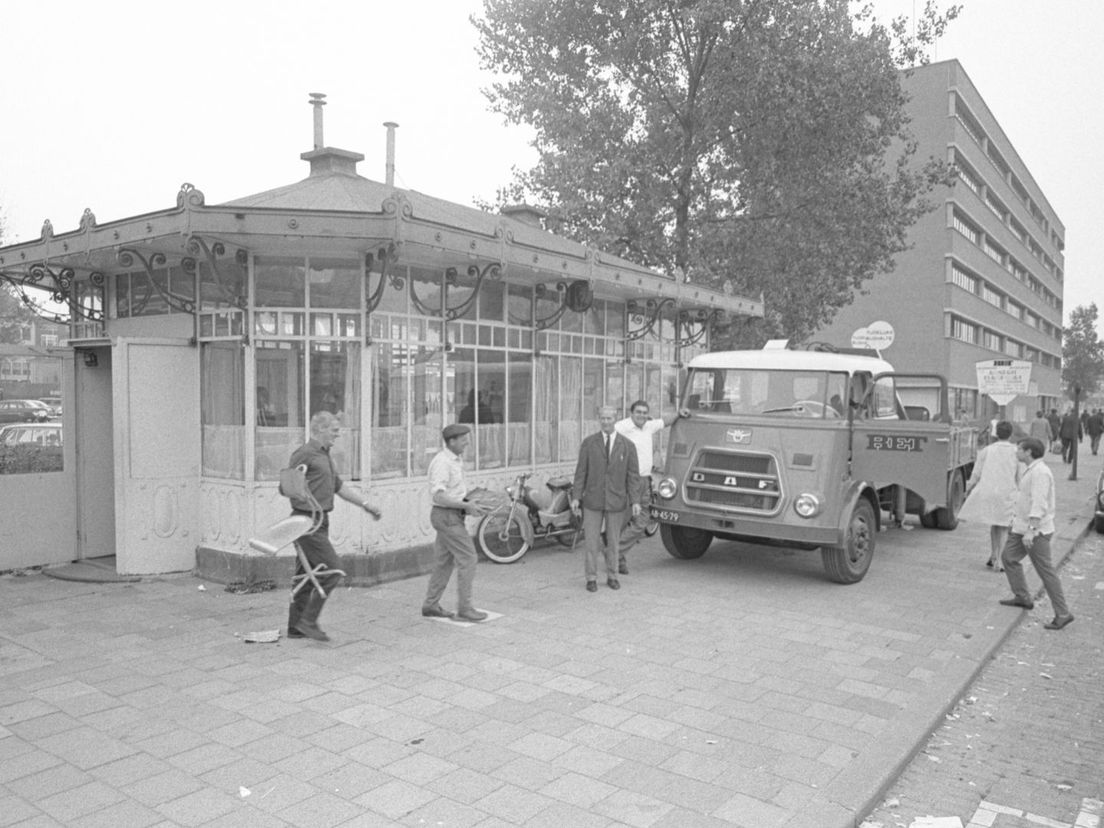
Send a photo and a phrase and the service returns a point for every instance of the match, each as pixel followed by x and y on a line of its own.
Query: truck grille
pixel 735 480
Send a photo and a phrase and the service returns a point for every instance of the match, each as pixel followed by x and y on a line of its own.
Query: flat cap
pixel 454 430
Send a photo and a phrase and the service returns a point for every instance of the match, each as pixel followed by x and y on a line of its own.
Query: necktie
pixel 607 446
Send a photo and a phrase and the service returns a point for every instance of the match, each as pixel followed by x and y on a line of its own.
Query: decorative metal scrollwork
pixel 692 325
pixel 60 285
pixel 651 310
pixel 492 270
pixel 387 257
pixel 197 245
pixel 544 322
pixel 126 257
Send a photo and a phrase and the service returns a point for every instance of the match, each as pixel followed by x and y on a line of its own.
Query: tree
pixel 753 146
pixel 1082 352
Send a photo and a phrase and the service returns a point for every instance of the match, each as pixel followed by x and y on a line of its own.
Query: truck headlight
pixel 667 488
pixel 807 505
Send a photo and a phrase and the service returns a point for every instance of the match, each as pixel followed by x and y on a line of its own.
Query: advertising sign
pixel 877 336
pixel 1003 379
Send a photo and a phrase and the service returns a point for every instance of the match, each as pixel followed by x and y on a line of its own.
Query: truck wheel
pixel 684 542
pixel 501 539
pixel 847 564
pixel 946 518
pixel 927 519
pixel 1098 524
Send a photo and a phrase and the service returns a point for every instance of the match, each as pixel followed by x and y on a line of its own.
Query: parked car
pixel 1098 521
pixel 23 411
pixel 40 434
pixel 53 403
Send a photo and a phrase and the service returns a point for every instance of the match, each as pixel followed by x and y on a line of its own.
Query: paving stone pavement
pixel 741 689
pixel 1026 742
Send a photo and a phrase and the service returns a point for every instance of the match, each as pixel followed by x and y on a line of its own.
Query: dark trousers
pixel 318 550
pixel 1067 449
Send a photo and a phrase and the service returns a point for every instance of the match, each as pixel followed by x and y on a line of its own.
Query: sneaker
pixel 471 615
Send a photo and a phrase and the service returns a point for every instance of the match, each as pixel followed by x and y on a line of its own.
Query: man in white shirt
pixel 640 429
pixel 1032 529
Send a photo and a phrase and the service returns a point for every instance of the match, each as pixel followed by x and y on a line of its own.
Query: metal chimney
pixel 391 125
pixel 318 100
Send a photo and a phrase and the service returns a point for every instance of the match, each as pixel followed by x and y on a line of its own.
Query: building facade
pixel 204 337
pixel 983 277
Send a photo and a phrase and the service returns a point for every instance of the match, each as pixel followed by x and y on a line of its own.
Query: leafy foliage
pixel 757 147
pixel 1082 352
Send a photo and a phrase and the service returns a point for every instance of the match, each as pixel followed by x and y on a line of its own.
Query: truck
pixel 809 449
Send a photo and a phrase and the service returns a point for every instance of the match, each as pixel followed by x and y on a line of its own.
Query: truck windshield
pixel 817 394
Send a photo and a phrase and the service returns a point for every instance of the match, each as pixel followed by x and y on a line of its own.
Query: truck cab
pixel 808 449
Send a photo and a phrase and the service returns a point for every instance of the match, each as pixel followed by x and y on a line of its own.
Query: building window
pixel 222 408
pixel 137 294
pixel 963 226
pixel 963 279
pixel 967 176
pixel 1014 309
pixel 963 331
pixel 994 204
pixel 991 340
pixel 991 296
pixel 994 252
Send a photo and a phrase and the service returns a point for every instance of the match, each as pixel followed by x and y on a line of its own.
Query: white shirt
pixel 1035 499
pixel 446 475
pixel 642 438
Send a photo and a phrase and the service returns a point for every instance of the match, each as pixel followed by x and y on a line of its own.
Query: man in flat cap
pixel 453 546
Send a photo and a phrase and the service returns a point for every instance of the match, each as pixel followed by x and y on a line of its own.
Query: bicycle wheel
pixel 501 538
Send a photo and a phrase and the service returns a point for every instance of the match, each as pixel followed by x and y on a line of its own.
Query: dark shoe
pixel 471 615
pixel 294 633
pixel 437 612
pixel 592 586
pixel 1016 602
pixel 613 583
pixel 989 563
pixel 1058 622
pixel 311 630
pixel 622 568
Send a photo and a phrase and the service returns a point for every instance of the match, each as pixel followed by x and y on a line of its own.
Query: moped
pixel 530 514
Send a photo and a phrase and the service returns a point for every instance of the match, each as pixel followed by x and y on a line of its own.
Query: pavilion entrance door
pixel 157 453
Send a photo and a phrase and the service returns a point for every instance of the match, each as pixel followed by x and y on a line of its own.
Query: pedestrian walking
pixel 323 482
pixel 1095 428
pixel 1055 423
pixel 607 481
pixel 1040 429
pixel 991 490
pixel 1068 432
pixel 453 547
pixel 640 429
pixel 1032 529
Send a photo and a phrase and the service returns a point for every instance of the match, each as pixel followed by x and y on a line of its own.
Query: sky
pixel 114 105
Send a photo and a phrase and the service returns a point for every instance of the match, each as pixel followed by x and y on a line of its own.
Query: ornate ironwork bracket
pixel 544 322
pixel 197 245
pixel 126 257
pixel 59 284
pixel 651 310
pixel 691 325
pixel 492 270
pixel 387 257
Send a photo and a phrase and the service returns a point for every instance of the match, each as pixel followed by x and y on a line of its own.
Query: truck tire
pixel 685 542
pixel 1098 524
pixel 946 518
pixel 501 539
pixel 847 564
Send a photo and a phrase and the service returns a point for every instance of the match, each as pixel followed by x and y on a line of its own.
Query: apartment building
pixel 983 277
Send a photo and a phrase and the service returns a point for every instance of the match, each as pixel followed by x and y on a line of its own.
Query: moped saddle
pixel 558 483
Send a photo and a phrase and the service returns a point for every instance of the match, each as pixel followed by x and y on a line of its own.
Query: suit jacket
pixel 607 484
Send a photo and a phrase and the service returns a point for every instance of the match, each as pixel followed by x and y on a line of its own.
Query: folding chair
pixel 293 485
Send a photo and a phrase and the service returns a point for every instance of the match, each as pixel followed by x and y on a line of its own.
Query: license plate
pixel 665 514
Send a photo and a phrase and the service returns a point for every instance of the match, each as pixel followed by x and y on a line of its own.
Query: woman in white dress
pixel 991 491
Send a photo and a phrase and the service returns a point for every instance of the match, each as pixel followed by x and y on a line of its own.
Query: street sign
pixel 1002 380
pixel 877 336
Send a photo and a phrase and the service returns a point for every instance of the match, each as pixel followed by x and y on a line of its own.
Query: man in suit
pixel 607 481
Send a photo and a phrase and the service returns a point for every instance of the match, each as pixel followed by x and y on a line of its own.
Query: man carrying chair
pixel 323 482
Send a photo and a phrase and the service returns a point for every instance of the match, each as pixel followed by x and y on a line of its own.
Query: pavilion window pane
pixel 222 409
pixel 460 291
pixel 571 407
pixel 391 299
pixel 220 289
pixel 279 282
pixel 490 410
pixel 615 386
pixel 122 295
pixel 281 405
pixel 594 389
pixel 546 375
pixel 519 304
pixel 426 287
pixel 594 318
pixel 653 386
pixel 519 391
pixel 572 321
pixel 615 319
pixel 426 370
pixel 389 414
pixel 335 387
pixel 634 382
pixel 463 394
pixel 492 300
pixel 334 283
